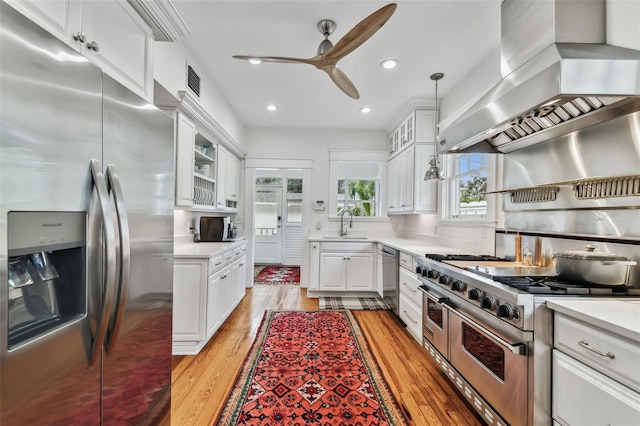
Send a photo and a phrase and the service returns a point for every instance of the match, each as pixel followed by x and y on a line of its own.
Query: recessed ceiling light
pixel 389 64
pixel 255 61
pixel 365 110
pixel 272 107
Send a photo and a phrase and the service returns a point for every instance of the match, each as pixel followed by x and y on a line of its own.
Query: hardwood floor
pixel 201 383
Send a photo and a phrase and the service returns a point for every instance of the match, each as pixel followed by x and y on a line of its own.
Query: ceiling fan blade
pixel 361 32
pixel 281 59
pixel 342 81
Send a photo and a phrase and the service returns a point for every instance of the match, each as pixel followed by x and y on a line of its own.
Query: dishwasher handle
pixel 386 251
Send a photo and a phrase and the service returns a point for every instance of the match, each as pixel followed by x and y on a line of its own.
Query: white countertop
pixel 203 250
pixel 414 247
pixel 617 316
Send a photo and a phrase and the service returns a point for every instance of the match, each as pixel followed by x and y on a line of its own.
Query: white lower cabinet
pixel 410 306
pixel 595 375
pixel 205 292
pixel 314 265
pixel 238 275
pixel 583 396
pixel 346 267
pixel 218 299
pixel 189 301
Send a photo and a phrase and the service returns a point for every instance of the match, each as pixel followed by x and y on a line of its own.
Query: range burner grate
pixel 547 286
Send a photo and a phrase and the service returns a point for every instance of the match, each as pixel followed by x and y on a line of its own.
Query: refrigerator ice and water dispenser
pixel 46 274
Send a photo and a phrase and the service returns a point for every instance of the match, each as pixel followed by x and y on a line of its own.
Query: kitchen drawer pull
pixel 407 286
pixel 218 263
pixel 408 316
pixel 585 345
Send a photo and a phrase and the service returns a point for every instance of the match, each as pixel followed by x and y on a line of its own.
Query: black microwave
pixel 216 229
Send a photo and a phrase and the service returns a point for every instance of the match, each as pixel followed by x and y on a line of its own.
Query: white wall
pixel 623 23
pixel 170 68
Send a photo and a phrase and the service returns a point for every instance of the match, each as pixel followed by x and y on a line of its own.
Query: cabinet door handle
pixel 223 277
pixel 80 37
pixel 93 46
pixel 585 345
pixel 217 264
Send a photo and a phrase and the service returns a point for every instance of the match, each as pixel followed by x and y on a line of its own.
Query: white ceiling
pixel 426 36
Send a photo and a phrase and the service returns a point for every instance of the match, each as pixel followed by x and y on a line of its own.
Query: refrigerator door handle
pixel 108 229
pixel 124 258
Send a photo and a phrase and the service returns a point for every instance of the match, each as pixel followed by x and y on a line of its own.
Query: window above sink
pixel 356 184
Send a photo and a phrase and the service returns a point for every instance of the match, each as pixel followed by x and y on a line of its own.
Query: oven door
pixel 495 367
pixel 434 322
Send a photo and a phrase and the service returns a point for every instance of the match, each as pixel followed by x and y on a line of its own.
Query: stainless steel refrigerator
pixel 86 244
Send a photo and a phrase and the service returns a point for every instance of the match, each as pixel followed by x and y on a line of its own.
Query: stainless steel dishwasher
pixel 390 289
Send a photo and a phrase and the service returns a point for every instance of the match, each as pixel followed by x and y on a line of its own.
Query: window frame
pixel 346 201
pixel 450 196
pixel 337 157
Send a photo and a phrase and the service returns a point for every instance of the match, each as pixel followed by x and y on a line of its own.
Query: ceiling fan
pixel 328 55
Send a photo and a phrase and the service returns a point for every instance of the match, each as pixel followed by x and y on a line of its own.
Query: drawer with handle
pixel 409 284
pixel 614 355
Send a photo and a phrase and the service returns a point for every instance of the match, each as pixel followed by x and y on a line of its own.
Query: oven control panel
pixel 483 299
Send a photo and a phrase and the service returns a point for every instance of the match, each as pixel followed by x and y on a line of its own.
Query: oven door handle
pixel 518 348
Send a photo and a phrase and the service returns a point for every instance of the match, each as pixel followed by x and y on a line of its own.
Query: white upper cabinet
pixel 109 33
pixel 186 132
pixel 229 180
pixel 410 148
pixel 418 127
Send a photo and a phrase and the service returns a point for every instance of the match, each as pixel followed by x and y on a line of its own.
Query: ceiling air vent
pixel 193 81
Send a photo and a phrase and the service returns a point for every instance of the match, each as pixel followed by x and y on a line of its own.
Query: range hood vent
pixel 564 79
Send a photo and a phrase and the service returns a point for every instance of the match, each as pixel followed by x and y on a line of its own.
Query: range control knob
pixel 475 294
pixel 505 311
pixel 432 273
pixel 425 272
pixel 458 286
pixel 419 270
pixel 488 302
pixel 443 280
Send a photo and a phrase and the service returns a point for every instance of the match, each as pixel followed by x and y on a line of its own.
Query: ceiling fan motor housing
pixel 326 27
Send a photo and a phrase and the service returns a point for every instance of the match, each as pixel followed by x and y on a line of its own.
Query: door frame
pixel 251 168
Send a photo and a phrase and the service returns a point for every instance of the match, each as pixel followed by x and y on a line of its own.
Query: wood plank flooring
pixel 200 384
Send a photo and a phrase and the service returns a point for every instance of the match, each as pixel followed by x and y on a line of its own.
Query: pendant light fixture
pixel 433 173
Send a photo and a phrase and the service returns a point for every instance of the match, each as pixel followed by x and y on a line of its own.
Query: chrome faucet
pixel 343 231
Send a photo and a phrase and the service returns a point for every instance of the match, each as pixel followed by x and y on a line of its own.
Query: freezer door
pixel 50 112
pixel 139 157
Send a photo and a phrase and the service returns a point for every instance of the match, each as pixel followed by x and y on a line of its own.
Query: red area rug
pixel 276 274
pixel 310 367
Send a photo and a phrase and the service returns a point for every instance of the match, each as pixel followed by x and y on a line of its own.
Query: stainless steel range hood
pixel 558 77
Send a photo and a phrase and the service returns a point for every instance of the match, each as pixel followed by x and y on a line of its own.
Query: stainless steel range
pixel 486 324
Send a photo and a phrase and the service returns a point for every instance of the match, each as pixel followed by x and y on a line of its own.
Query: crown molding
pixel 191 106
pixel 411 105
pixel 163 18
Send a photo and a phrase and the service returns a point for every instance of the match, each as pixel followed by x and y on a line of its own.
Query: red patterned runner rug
pixel 310 367
pixel 276 274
